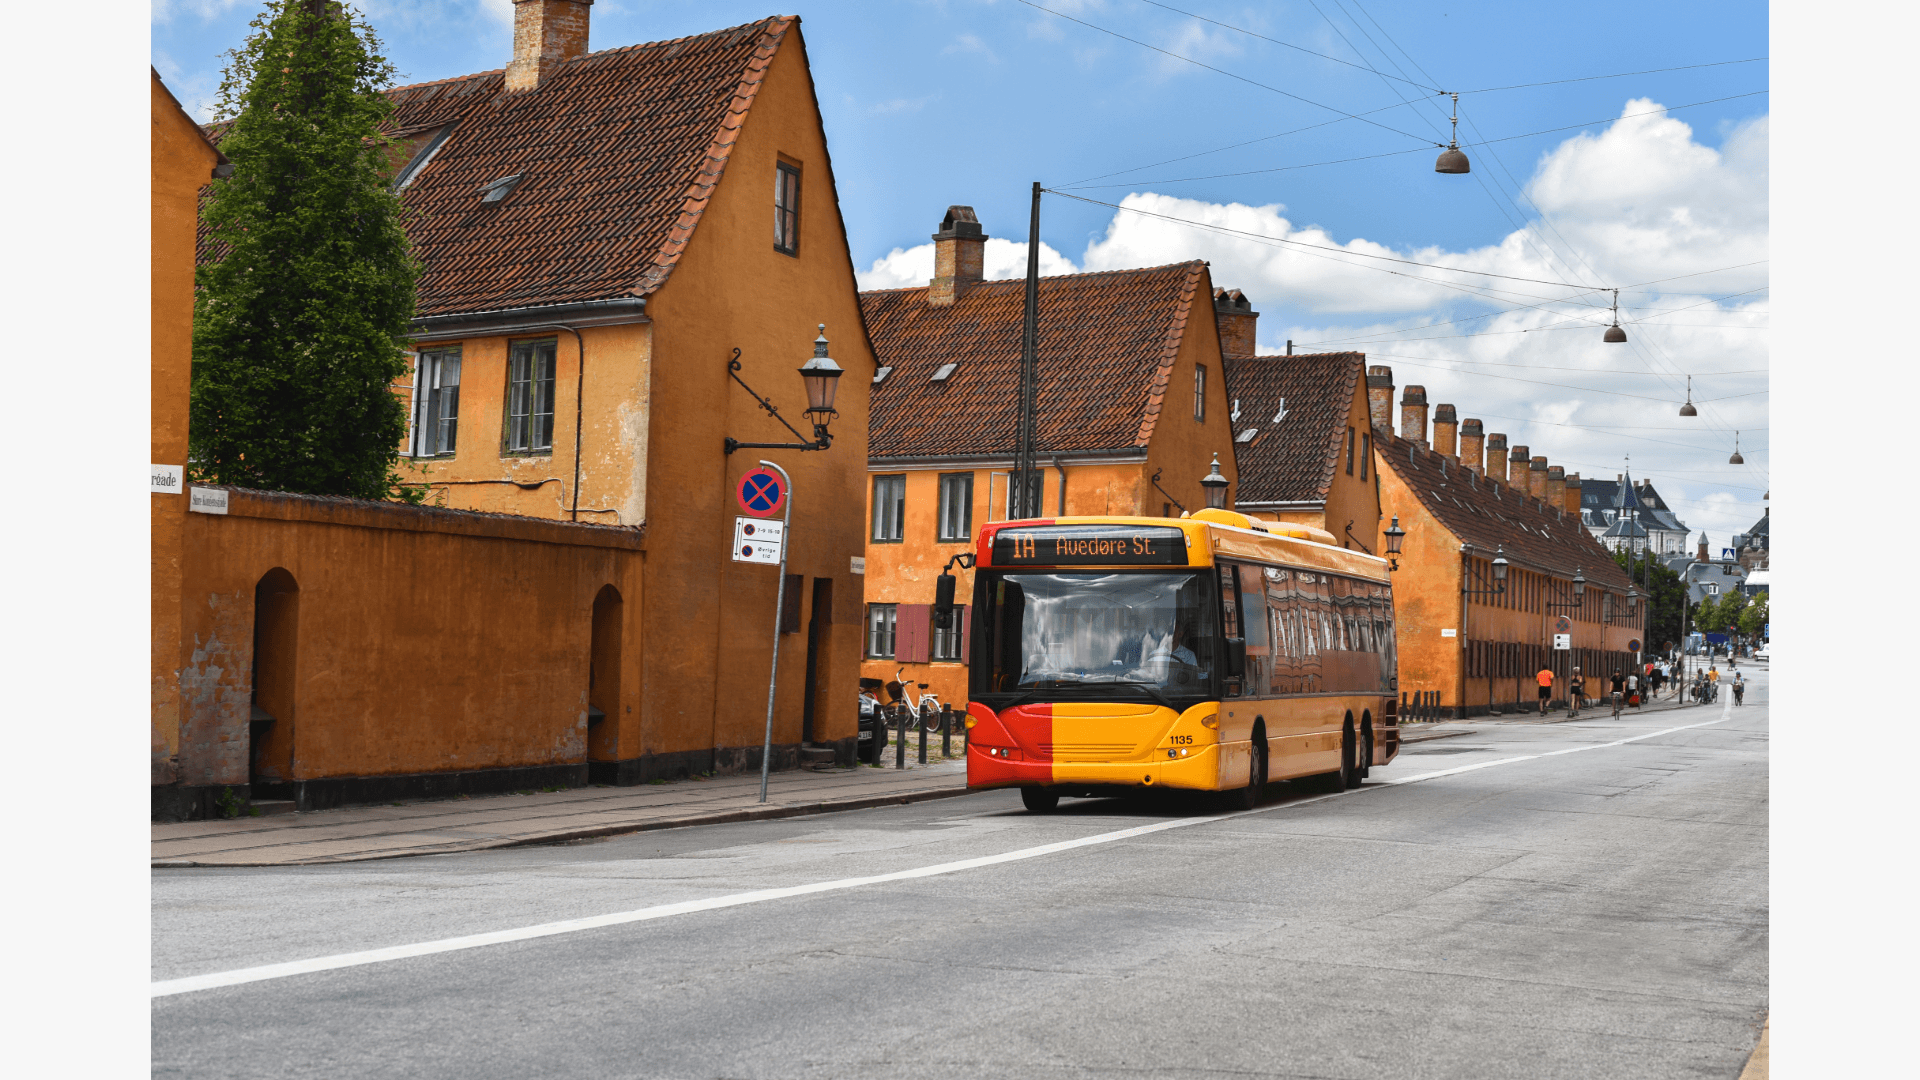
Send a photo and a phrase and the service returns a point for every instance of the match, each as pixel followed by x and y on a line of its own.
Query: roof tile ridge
pixel 450 79
pixel 1169 352
pixel 708 174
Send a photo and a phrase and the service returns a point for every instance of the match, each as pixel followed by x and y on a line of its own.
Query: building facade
pixel 1469 642
pixel 1132 411
pixel 594 308
pixel 1623 514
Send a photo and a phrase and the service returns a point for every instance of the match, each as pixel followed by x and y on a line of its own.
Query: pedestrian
pixel 1576 694
pixel 1619 690
pixel 1739 690
pixel 1545 678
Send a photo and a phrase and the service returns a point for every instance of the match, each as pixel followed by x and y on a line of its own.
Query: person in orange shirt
pixel 1545 678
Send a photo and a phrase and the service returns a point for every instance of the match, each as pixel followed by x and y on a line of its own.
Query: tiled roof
pixel 619 152
pixel 1107 345
pixel 1465 504
pixel 1293 458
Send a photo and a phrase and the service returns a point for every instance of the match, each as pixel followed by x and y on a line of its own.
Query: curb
pixel 769 813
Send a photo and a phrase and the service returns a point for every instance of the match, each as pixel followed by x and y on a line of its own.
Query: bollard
pixel 946 731
pixel 899 736
pixel 920 728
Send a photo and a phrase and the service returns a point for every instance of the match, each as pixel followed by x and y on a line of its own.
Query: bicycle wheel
pixel 930 719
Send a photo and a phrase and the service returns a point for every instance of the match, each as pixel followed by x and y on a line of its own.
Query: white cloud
pixel 913 267
pixel 500 10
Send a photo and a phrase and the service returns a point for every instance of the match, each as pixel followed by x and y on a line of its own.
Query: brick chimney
pixel 1413 415
pixel 1473 446
pixel 1235 316
pixel 1537 479
pixel 1497 457
pixel 1380 396
pixel 1573 494
pixel 1519 470
pixel 546 34
pixel 959 256
pixel 1556 487
pixel 1446 431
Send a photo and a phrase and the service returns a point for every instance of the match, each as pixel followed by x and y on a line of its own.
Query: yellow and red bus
pixel 1207 653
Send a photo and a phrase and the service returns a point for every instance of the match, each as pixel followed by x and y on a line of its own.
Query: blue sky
pixel 969 101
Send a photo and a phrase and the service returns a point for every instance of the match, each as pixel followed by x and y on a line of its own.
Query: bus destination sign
pixel 1090 545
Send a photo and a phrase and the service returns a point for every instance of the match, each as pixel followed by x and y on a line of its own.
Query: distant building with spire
pixel 1622 514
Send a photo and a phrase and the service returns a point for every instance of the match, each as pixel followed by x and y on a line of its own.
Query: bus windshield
pixel 1111 636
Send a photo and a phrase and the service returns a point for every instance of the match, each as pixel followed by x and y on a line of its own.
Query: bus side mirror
pixel 943 587
pixel 1236 657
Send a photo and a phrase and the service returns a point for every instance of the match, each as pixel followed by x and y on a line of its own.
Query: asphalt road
pixel 1597 912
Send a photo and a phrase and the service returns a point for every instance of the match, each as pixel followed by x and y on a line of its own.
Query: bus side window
pixel 1232 626
pixel 1253 619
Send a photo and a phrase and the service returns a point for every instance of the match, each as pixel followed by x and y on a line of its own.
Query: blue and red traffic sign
pixel 761 493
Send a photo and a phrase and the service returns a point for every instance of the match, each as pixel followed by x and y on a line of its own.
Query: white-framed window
pixel 889 511
pixel 436 402
pixel 786 208
pixel 1713 588
pixel 530 396
pixel 956 508
pixel 880 625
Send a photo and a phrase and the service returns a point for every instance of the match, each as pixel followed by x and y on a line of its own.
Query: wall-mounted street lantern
pixel 821 376
pixel 1579 592
pixel 1395 537
pixel 1499 574
pixel 1216 485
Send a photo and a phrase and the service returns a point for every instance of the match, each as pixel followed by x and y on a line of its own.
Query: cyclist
pixel 1619 689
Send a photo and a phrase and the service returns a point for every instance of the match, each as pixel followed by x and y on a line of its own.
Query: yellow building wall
pixel 712 619
pixel 182 163
pixel 1427 600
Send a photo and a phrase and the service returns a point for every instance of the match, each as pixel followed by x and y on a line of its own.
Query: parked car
pixel 873 724
pixel 1760 651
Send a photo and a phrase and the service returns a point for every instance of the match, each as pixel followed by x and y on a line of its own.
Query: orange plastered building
pixel 603 234
pixel 1469 642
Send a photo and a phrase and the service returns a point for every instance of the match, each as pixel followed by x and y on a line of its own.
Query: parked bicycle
pixel 924 710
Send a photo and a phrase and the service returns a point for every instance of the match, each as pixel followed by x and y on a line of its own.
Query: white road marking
pixel 238 976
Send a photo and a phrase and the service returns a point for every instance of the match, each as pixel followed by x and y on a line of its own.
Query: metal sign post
pixel 779 599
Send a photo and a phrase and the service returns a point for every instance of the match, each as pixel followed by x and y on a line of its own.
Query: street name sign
pixel 757 541
pixel 167 480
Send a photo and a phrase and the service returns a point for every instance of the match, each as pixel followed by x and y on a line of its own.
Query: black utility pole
pixel 1026 501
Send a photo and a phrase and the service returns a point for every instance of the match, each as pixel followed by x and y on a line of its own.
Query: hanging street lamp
pixel 1216 485
pixel 1688 409
pixel 1451 159
pixel 1615 335
pixel 821 377
pixel 1736 459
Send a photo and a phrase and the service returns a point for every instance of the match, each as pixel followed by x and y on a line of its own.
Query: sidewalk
pixel 1598 709
pixel 354 834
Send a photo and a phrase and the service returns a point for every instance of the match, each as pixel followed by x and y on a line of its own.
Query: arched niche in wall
pixel 603 676
pixel 276 648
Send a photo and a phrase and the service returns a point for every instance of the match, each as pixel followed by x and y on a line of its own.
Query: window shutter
pixel 910 630
pixel 966 630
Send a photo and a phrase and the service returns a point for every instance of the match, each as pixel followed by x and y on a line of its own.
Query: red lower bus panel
pixel 1019 734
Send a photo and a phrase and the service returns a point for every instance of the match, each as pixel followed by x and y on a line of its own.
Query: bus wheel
pixel 1350 773
pixel 1248 797
pixel 1039 800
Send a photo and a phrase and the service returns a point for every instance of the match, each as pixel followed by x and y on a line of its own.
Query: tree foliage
pixel 1722 614
pixel 1754 618
pixel 1666 601
pixel 300 325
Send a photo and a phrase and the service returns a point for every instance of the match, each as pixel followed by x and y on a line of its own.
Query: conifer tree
pixel 300 320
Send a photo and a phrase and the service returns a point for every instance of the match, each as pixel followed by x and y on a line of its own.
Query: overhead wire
pixel 1223 71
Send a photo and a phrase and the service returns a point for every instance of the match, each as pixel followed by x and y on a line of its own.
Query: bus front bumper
pixel 1199 770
